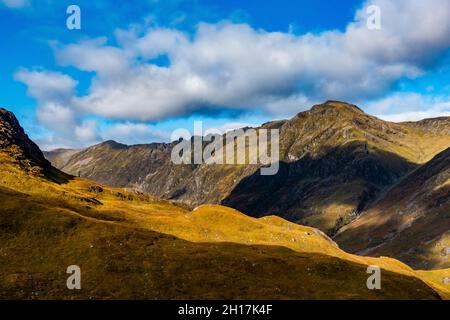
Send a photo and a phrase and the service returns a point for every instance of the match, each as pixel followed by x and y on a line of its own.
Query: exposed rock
pixel 95 189
pixel 16 143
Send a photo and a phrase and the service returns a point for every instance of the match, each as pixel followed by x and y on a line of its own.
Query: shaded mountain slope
pixel 410 221
pixel 335 160
pixel 318 191
pixel 133 246
pixel 60 157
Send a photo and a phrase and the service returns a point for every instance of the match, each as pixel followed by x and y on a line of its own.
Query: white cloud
pixel 134 133
pixel 410 106
pixel 57 109
pixel 413 31
pixel 229 126
pixel 47 86
pixel 57 118
pixel 94 55
pixel 283 107
pixel 55 94
pixel 415 116
pixel 398 102
pixel 15 3
pixel 234 66
pixel 87 131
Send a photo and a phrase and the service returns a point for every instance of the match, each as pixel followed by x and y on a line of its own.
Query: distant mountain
pixel 410 221
pixel 60 157
pixel 335 160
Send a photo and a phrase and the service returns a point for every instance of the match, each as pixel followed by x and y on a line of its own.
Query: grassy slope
pixel 132 246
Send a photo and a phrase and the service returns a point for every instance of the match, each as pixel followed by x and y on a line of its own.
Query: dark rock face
pixel 410 221
pixel 15 142
pixel 335 160
pixel 300 188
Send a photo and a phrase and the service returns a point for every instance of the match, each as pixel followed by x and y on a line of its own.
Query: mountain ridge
pixel 366 155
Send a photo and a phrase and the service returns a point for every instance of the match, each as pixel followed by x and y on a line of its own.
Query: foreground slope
pixel 411 221
pixel 335 159
pixel 49 227
pixel 132 246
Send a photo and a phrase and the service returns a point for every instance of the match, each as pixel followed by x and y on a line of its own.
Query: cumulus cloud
pixel 94 55
pixel 134 133
pixel 400 102
pixel 415 116
pixel 59 111
pixel 235 66
pixel 47 86
pixel 57 106
pixel 409 106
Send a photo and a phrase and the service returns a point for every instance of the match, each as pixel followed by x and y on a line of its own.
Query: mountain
pixel 129 245
pixel 335 160
pixel 60 157
pixel 410 221
pixel 15 143
pixel 18 148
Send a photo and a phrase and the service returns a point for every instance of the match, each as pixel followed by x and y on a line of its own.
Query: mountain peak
pixel 7 119
pixel 17 144
pixel 334 104
pixel 332 110
pixel 112 144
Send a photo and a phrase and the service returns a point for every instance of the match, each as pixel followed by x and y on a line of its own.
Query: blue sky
pixel 138 70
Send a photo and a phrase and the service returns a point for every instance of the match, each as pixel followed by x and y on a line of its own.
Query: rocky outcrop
pixel 17 144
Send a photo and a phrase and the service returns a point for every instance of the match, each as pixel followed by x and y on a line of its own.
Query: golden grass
pixel 133 246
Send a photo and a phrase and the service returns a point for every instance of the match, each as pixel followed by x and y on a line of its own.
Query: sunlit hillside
pixel 134 246
pixel 130 245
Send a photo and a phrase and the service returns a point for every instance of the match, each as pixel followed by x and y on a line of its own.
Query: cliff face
pixel 335 160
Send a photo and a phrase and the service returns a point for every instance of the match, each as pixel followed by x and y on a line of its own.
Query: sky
pixel 136 71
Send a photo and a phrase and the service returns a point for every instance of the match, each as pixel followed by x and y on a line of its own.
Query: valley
pixel 131 245
pixel 337 163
